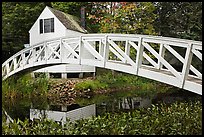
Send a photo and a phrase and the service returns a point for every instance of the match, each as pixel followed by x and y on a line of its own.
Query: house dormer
pixel 52 24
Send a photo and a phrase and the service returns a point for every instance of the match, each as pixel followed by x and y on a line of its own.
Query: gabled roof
pixel 68 20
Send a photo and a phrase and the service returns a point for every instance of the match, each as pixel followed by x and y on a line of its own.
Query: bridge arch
pixel 122 52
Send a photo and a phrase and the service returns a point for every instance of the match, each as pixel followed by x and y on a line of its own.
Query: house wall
pixel 68 68
pixel 71 33
pixel 59 29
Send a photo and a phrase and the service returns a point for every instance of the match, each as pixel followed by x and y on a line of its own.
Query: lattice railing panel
pixel 129 53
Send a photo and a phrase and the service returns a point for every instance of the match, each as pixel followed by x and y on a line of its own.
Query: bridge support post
pixel 62 49
pixel 80 49
pixel 127 49
pixel 81 75
pixel 64 75
pixel 32 74
pixel 106 50
pixel 101 48
pixel 161 53
pixel 47 74
pixel 187 64
pixel 139 56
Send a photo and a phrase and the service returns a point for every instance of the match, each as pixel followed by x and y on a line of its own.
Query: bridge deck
pixel 189 78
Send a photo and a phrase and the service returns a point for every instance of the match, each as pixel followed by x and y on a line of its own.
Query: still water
pixel 98 105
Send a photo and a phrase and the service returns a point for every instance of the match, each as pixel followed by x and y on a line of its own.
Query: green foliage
pixel 179 19
pixel 72 8
pixel 123 17
pixel 24 85
pixel 121 81
pixel 17 19
pixel 91 85
pixel 180 118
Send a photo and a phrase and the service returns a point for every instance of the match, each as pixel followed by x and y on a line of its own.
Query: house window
pixel 46 25
pixel 41 26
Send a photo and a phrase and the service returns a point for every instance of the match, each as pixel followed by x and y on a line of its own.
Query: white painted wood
pixel 101 47
pixel 116 53
pixel 127 49
pixel 92 50
pixel 163 61
pixel 45 53
pixel 179 57
pixel 197 53
pixel 161 53
pixel 60 31
pixel 67 46
pixel 34 32
pixel 171 80
pixel 106 50
pixel 186 65
pixel 92 62
pixel 139 56
pixel 120 67
pixel 129 60
pixel 151 61
pixel 39 54
pixel 80 49
pixel 193 87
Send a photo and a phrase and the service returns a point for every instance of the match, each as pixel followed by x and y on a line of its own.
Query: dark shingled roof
pixel 68 20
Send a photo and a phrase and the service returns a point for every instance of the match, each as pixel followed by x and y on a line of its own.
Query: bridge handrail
pixel 109 42
pixel 196 44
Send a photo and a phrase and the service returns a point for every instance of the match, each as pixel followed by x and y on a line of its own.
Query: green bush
pixel 180 118
pixel 89 84
pixel 24 85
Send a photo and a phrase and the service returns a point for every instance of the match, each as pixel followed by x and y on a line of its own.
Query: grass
pixel 24 85
pixel 106 80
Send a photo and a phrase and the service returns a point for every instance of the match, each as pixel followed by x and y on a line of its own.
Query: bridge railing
pixel 130 53
pixel 151 48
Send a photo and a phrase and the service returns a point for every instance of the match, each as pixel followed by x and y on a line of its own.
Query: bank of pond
pixel 150 109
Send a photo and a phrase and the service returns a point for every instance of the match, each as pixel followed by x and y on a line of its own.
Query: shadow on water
pixel 113 102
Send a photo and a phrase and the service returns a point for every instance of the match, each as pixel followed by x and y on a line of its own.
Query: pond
pixel 120 101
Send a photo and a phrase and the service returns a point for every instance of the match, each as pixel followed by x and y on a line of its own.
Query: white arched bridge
pixel 142 55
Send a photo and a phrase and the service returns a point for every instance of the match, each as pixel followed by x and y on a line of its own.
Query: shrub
pixel 180 118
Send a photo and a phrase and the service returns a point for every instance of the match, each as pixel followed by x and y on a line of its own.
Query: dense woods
pixel 174 19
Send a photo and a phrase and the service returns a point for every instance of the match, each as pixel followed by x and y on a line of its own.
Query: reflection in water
pixel 21 107
pixel 75 112
pixel 123 104
pixel 61 116
pixel 135 102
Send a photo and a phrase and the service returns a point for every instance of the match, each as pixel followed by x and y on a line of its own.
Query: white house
pixel 53 24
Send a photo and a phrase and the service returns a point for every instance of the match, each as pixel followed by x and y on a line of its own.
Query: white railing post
pixel 187 64
pixel 23 59
pixel 101 47
pixel 127 49
pixel 139 56
pixel 80 49
pixel 14 63
pixel 61 51
pixel 34 54
pixel 7 68
pixel 106 51
pixel 161 53
pixel 46 51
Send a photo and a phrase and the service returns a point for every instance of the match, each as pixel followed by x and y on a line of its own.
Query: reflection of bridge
pixel 121 52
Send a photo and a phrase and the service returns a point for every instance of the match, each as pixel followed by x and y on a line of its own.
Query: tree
pixel 179 19
pixel 72 8
pixel 123 17
pixel 17 19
